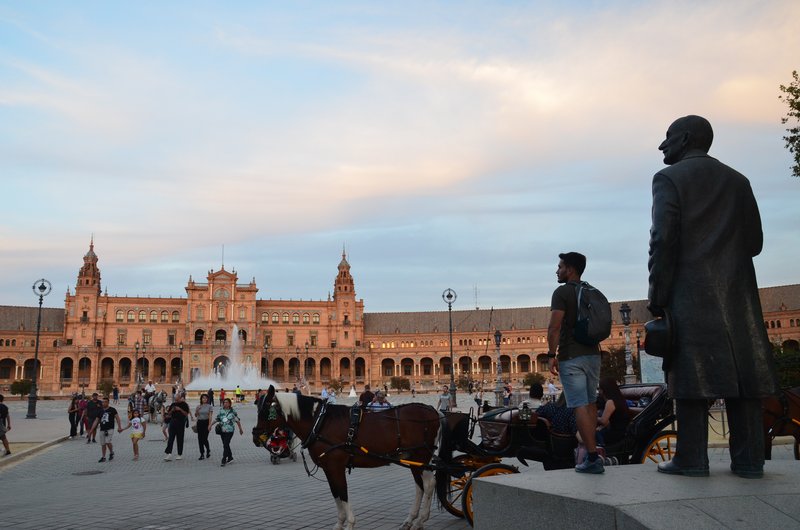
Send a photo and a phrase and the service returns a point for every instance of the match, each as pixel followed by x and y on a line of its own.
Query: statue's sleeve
pixel 752 223
pixel 664 240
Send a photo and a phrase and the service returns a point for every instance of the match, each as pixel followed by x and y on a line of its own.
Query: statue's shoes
pixel 671 468
pixel 745 472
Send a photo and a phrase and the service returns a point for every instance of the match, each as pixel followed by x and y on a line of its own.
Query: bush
pixel 533 377
pixel 400 383
pixel 336 385
pixel 21 387
pixel 105 387
pixel 787 363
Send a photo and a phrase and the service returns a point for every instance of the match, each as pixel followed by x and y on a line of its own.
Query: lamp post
pixel 41 288
pixel 449 296
pixel 266 360
pixel 498 388
pixel 144 352
pixel 625 312
pixel 136 368
pixel 305 368
pixel 299 371
pixel 180 375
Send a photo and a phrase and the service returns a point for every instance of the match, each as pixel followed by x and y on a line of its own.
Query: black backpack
pixel 593 322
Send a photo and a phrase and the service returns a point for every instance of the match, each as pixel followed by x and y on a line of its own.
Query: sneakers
pixel 111 456
pixel 101 460
pixel 208 454
pixel 179 457
pixel 7 453
pixel 201 457
pixel 168 457
pixel 224 461
pixel 595 468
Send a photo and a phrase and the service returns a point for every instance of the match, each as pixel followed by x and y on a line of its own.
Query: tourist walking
pixel 105 424
pixel 203 414
pixel 226 419
pixel 115 394
pixel 73 413
pixel 5 425
pixel 210 395
pixel 82 403
pixel 444 399
pixel 94 408
pixel 177 426
pixel 138 429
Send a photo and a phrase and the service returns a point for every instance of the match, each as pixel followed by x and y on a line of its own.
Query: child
pixel 138 429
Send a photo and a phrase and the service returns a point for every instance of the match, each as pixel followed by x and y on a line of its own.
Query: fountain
pixel 236 372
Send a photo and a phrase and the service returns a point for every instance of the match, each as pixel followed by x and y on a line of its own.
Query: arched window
pixel 153 316
pixel 295 318
pixel 131 316
pixel 120 315
pixel 176 316
pixel 286 318
pixel 164 316
pixel 275 318
pixel 306 318
pixel 199 335
pixel 264 318
pixel 315 318
pixel 142 316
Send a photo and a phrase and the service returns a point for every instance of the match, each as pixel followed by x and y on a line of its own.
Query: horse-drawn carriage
pixel 518 432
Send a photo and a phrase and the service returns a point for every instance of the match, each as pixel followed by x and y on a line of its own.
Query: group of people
pixel 99 419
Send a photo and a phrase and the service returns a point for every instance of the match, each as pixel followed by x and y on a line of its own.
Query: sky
pixel 457 144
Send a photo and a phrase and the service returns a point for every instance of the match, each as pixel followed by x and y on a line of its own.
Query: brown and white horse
pixel 407 435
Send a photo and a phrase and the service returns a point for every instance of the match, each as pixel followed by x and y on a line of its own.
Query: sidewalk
pixel 50 485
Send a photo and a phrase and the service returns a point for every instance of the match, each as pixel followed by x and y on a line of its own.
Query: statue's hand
pixel 655 310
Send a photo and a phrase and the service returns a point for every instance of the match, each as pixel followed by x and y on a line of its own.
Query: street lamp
pixel 266 360
pixel 305 367
pixel 449 296
pixel 300 374
pixel 180 375
pixel 625 312
pixel 498 388
pixel 144 353
pixel 41 288
pixel 136 368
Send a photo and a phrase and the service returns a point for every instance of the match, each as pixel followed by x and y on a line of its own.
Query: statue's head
pixel 690 133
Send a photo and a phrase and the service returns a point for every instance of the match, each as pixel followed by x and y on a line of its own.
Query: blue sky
pixel 446 144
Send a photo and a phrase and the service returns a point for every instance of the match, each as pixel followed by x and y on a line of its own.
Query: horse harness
pixel 350 444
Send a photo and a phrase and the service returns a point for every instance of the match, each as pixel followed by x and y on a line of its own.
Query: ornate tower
pixel 89 275
pixel 344 287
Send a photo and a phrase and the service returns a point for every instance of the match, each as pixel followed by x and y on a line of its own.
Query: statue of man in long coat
pixel 706 230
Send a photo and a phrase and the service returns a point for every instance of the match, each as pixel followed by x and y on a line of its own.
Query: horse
pixel 407 435
pixel 782 418
pixel 155 405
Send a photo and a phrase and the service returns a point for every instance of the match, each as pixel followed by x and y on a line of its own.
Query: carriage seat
pixel 642 395
pixel 496 424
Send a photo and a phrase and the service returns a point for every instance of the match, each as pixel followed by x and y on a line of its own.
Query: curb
pixel 16 457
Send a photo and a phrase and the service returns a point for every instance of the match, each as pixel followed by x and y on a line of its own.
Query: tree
pixel 336 385
pixel 21 387
pixel 105 387
pixel 791 95
pixel 531 378
pixel 400 383
pixel 787 363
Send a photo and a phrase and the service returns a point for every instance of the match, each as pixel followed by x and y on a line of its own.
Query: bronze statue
pixel 706 230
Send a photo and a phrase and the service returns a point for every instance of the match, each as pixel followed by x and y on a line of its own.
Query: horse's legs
pixel 337 482
pixel 422 504
pixel 413 514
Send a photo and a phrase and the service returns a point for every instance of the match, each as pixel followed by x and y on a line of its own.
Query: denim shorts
pixel 579 377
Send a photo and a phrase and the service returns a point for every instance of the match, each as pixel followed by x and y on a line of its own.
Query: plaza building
pixel 99 338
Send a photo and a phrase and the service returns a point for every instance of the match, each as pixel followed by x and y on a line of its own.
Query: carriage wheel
pixel 450 494
pixel 661 448
pixel 486 471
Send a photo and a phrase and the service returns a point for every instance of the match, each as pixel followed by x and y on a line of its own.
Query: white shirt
pixel 150 387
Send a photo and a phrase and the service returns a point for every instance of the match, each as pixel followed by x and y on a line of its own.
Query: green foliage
pixel 105 387
pixel 787 362
pixel 791 96
pixel 336 385
pixel 462 383
pixel 400 383
pixel 533 377
pixel 21 387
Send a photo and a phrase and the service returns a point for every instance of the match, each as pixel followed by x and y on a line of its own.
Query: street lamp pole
pixel 144 353
pixel 41 288
pixel 180 375
pixel 498 388
pixel 305 369
pixel 449 296
pixel 625 312
pixel 136 368
pixel 266 360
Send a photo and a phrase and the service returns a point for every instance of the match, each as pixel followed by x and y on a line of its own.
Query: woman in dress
pixel 226 419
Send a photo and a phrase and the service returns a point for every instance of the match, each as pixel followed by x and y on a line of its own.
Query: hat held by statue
pixel 659 334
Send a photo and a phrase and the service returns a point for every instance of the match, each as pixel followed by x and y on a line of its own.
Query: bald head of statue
pixel 688 135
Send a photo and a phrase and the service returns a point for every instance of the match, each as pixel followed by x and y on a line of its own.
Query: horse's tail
pixel 453 427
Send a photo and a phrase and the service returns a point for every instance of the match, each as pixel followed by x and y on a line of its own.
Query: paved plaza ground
pixel 63 486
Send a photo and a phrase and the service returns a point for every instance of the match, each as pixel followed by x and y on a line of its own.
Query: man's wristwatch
pixel 551 354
